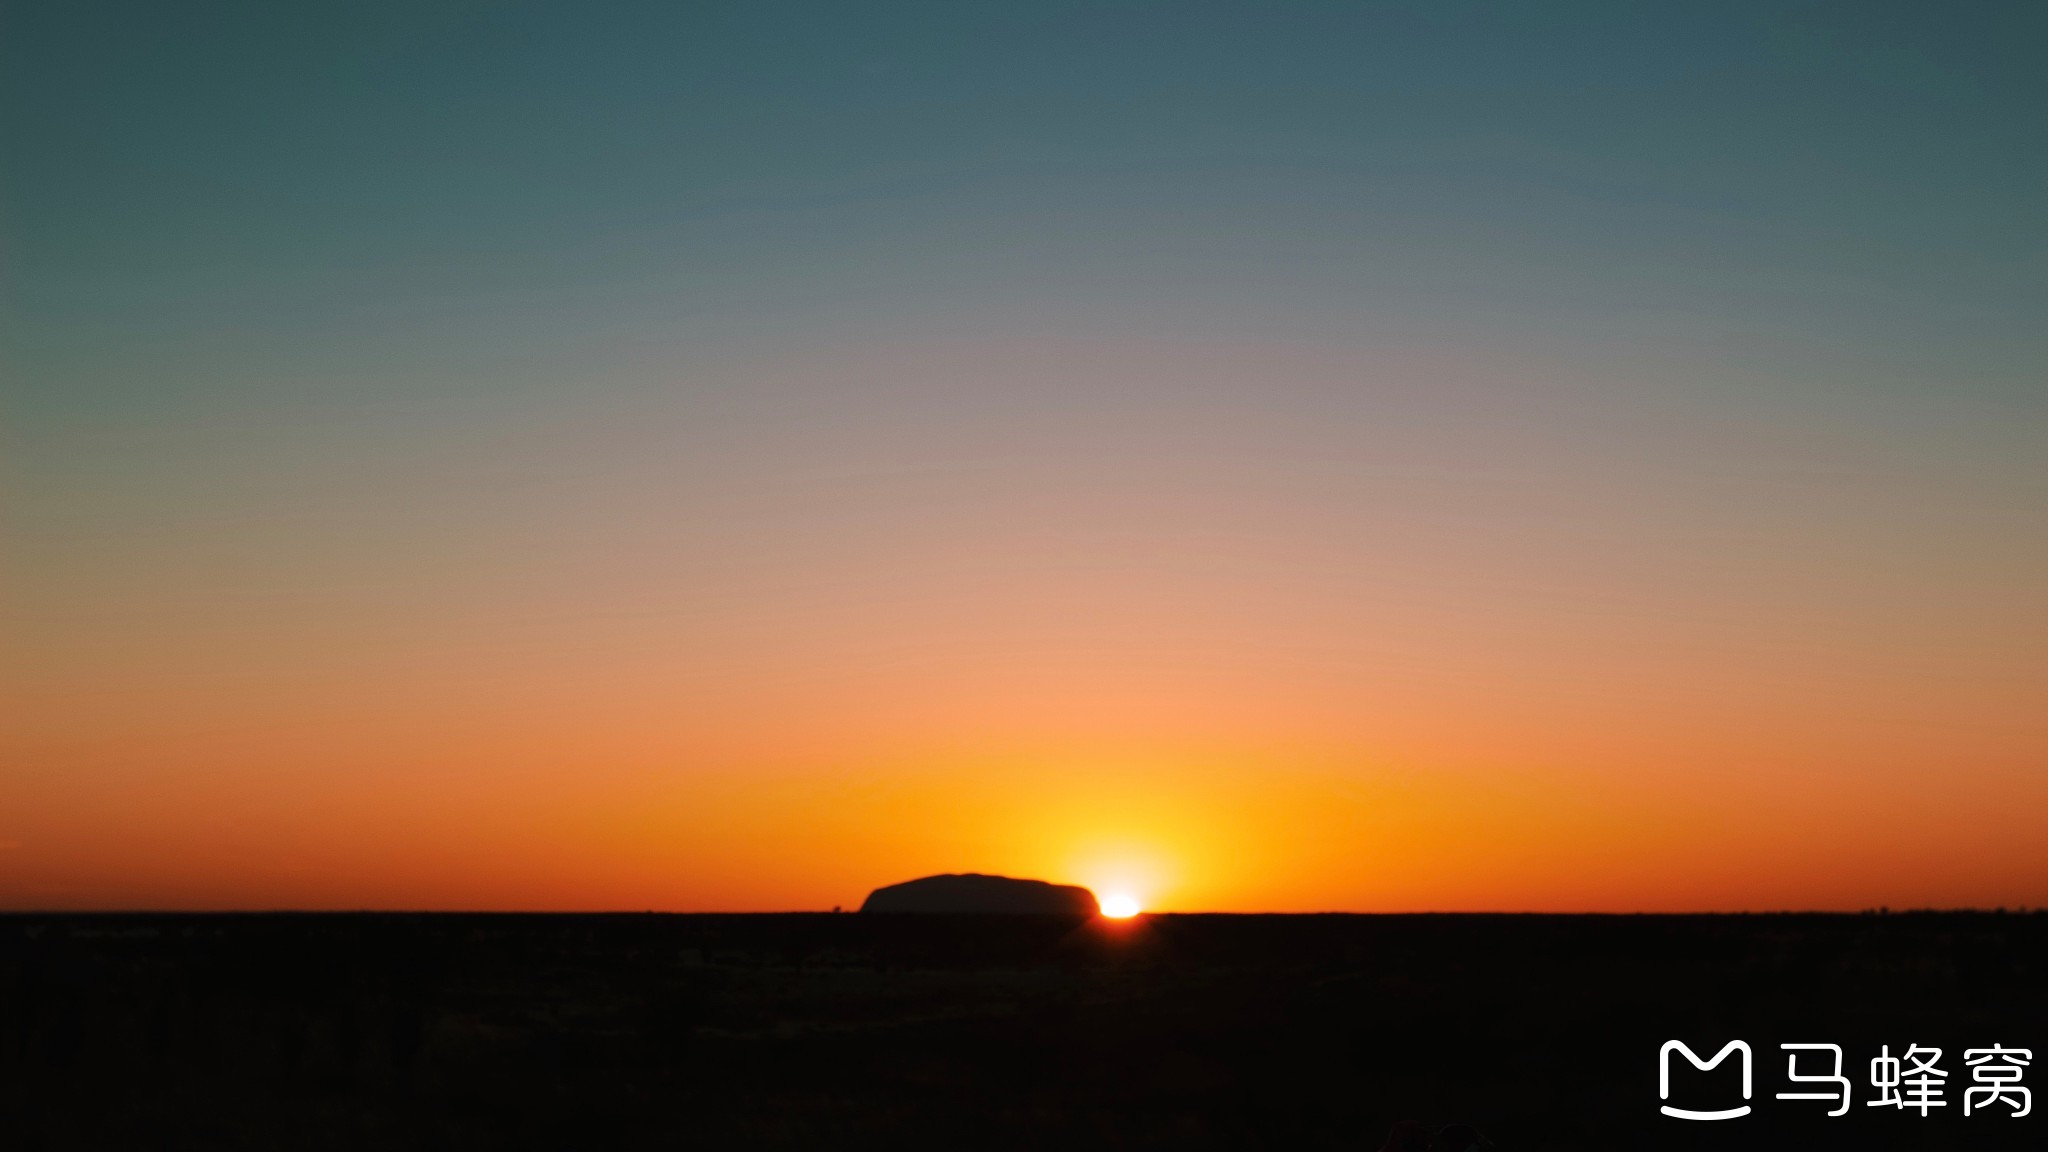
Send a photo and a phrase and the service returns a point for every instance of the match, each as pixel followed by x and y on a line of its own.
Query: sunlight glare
pixel 1119 907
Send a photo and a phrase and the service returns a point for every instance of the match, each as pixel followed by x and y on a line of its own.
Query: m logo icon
pixel 1664 1079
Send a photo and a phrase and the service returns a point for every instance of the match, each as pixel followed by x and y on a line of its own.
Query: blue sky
pixel 1536 362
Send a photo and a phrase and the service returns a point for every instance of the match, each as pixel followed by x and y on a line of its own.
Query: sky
pixel 1252 457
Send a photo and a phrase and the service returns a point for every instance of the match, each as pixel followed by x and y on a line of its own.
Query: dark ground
pixel 850 1031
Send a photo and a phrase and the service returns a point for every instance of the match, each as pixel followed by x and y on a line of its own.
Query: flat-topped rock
pixel 974 892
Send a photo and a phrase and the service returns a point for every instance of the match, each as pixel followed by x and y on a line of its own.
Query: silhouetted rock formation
pixel 973 892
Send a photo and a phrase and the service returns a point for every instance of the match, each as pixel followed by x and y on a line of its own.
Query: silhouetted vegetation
pixel 1023 1032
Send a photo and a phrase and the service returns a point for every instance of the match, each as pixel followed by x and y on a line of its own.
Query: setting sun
pixel 1119 907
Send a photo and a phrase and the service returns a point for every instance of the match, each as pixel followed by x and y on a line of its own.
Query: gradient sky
pixel 1310 456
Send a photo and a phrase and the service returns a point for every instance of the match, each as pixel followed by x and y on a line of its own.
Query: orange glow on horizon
pixel 1125 662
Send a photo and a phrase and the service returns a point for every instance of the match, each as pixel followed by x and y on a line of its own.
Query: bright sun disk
pixel 1119 907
